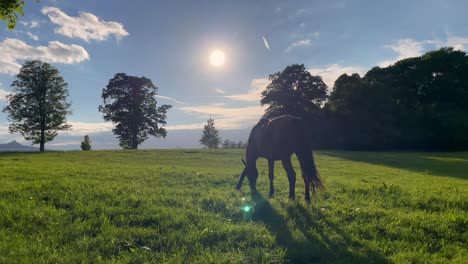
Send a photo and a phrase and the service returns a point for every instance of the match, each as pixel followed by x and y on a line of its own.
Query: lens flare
pixel 246 208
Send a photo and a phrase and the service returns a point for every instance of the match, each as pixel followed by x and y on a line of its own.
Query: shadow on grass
pixel 319 246
pixel 453 164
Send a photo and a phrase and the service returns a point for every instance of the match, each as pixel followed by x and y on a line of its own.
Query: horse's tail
pixel 308 168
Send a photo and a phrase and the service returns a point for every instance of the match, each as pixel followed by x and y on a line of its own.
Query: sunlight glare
pixel 217 58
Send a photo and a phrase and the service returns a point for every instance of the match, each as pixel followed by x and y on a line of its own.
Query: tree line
pixel 415 103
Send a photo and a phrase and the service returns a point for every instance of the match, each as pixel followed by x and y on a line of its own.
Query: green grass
pixel 180 206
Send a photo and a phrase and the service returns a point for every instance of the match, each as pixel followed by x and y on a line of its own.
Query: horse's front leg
pixel 271 175
pixel 287 165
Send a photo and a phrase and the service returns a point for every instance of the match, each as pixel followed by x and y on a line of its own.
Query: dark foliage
pixel 9 10
pixel 293 91
pixel 416 103
pixel 129 102
pixel 86 143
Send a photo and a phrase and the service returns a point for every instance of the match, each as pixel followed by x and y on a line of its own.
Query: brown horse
pixel 277 139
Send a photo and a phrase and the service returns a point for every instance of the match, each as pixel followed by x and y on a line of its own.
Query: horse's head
pixel 250 170
pixel 251 154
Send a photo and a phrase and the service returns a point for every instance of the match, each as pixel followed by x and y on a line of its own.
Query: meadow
pixel 180 206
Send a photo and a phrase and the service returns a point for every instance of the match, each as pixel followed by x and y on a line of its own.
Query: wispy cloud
pixel 331 72
pixel 87 128
pixel 407 48
pixel 299 43
pixel 457 42
pixel 86 26
pixel 267 46
pixel 62 144
pixel 13 50
pixel 225 117
pixel 257 86
pixel 32 36
pixel 169 98
pixel 186 126
pixel 31 24
pixel 3 94
pixel 221 91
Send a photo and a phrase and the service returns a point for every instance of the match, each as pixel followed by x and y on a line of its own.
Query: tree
pixel 232 144
pixel 240 145
pixel 9 10
pixel 293 91
pixel 86 143
pixel 129 102
pixel 210 136
pixel 38 106
pixel 225 144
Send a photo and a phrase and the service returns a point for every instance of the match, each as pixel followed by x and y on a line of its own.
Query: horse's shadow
pixel 318 246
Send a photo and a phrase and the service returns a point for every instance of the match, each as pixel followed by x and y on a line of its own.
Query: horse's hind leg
pixel 271 175
pixel 287 165
pixel 305 176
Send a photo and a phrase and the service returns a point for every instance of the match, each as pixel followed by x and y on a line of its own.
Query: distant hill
pixel 14 146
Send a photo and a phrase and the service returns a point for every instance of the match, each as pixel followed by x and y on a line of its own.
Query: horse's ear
pixel 243 161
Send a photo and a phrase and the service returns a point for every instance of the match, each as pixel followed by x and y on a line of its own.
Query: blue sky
pixel 170 43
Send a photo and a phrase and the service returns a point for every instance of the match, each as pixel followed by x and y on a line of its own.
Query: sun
pixel 217 58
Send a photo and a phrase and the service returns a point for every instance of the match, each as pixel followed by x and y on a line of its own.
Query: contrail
pixel 266 43
pixel 169 98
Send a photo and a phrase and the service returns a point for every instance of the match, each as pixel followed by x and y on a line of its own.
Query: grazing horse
pixel 277 139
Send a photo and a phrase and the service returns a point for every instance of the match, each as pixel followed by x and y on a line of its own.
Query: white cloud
pixel 267 46
pixel 225 117
pixel 32 36
pixel 221 91
pixel 62 144
pixel 456 42
pixel 13 50
pixel 407 48
pixel 85 128
pixel 254 94
pixel 32 24
pixel 330 73
pixel 186 126
pixel 299 43
pixel 4 133
pixel 86 26
pixel 3 94
pixel 169 98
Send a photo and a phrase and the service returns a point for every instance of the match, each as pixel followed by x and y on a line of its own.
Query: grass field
pixel 180 206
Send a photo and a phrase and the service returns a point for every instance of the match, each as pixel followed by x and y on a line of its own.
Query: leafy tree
pixel 240 145
pixel 232 144
pixel 226 144
pixel 416 103
pixel 9 10
pixel 293 91
pixel 38 106
pixel 210 136
pixel 86 143
pixel 130 103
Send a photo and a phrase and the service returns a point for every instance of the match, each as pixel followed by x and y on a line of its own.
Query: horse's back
pixel 286 135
